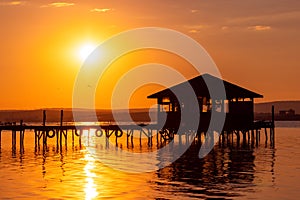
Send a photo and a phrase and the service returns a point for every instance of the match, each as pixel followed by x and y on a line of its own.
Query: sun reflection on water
pixel 90 186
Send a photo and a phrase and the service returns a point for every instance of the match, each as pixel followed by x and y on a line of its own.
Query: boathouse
pixel 238 104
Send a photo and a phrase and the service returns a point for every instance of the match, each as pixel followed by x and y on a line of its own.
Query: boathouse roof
pixel 199 85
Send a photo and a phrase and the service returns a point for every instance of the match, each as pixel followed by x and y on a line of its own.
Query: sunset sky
pixel 255 44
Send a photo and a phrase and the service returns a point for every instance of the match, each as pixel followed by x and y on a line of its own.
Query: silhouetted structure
pixel 284 113
pixel 238 104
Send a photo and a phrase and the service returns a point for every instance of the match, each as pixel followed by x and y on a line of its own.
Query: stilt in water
pixel 22 132
pixel 238 138
pixel 272 138
pixel 257 137
pixel 57 140
pixel 14 141
pixel 44 140
pixel 266 136
pixel 44 132
pixel 35 140
pixel 272 130
pixel 79 138
pixel 0 139
pixel 244 138
pixel 252 138
pixel 249 140
pixel 60 132
pixel 72 137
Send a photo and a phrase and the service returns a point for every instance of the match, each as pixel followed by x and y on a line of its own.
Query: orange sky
pixel 255 44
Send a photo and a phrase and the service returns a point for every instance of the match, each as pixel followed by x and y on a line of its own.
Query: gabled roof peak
pixel 199 85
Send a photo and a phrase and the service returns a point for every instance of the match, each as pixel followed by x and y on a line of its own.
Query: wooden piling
pixel 44 139
pixel 44 117
pixel 272 130
pixel 61 117
pixel 266 135
pixel 14 141
pixel 57 139
pixel 35 139
pixel 257 137
pixel 72 137
pixel 273 116
pixel 80 133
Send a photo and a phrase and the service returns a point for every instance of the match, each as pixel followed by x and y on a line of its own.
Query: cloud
pixel 193 31
pixel 198 26
pixel 194 11
pixel 195 28
pixel 259 28
pixel 12 3
pixel 103 10
pixel 224 28
pixel 58 5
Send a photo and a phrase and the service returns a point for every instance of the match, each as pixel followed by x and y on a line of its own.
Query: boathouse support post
pixel 223 138
pixel 266 135
pixel 257 137
pixel 238 137
pixel 252 136
pixel 248 133
pixel 244 137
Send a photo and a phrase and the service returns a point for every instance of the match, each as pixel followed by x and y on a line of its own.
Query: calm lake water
pixel 227 172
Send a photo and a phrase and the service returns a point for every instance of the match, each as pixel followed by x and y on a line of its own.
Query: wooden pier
pixel 60 132
pixel 237 106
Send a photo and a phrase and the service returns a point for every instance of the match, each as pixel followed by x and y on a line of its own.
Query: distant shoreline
pixel 262 111
pixel 137 115
pixel 268 116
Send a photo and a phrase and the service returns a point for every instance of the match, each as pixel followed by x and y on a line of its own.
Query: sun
pixel 85 51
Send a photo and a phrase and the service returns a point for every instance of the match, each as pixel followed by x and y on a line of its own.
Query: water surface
pixel 230 171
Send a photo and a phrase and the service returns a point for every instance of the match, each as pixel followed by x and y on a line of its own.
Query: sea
pixel 228 171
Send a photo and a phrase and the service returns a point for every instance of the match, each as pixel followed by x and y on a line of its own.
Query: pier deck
pixel 60 132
